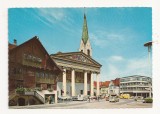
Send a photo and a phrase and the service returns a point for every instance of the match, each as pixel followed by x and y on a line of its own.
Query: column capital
pixel 73 69
pixel 88 71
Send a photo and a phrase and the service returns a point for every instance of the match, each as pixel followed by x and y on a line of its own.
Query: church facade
pixel 79 69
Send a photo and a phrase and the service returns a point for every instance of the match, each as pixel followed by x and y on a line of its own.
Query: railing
pixel 45 80
pixel 39 97
pixel 34 93
pixel 29 92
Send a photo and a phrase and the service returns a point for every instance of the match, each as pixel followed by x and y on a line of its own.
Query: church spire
pixel 85 30
pixel 85 45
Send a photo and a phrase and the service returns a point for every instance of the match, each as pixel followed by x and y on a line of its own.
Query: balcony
pixel 135 91
pixel 45 80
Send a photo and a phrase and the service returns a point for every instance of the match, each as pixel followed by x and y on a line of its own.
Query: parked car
pixel 113 98
pixel 93 97
pixel 138 98
pixel 74 98
pixel 107 98
pixel 82 97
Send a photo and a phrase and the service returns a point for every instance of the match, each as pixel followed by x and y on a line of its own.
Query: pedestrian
pixel 89 98
pixel 98 97
pixel 49 99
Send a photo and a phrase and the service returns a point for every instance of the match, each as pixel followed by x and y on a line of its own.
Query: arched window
pixel 88 52
pixel 81 50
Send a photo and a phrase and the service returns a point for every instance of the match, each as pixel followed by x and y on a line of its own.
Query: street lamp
pixel 149 45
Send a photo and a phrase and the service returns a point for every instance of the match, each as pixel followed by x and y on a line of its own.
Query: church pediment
pixel 77 57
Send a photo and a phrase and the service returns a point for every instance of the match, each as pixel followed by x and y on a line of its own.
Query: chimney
pixel 15 42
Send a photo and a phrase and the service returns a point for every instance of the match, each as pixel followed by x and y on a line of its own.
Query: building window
pixel 42 75
pixel 37 74
pixel 81 91
pixel 46 75
pixel 88 52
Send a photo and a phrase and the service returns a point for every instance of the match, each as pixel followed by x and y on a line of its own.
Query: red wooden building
pixel 32 73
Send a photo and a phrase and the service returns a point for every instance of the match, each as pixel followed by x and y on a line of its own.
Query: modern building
pixel 32 74
pixel 79 69
pixel 136 85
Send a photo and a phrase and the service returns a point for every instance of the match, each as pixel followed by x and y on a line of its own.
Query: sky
pixel 117 35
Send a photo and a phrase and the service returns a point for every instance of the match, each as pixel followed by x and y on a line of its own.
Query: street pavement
pixel 94 104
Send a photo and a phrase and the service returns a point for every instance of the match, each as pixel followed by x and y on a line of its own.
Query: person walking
pixel 89 98
pixel 49 99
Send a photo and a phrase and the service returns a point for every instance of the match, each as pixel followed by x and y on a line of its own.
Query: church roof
pixel 76 57
pixel 85 31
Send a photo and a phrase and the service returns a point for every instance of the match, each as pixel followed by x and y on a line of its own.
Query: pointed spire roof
pixel 85 31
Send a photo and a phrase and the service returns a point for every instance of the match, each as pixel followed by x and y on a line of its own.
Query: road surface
pixel 101 104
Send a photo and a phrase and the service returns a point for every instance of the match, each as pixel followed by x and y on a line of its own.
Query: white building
pixel 113 89
pixel 136 85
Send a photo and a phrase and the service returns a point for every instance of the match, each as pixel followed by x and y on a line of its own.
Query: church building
pixel 79 69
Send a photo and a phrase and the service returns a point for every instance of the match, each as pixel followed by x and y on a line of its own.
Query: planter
pixel 29 92
pixel 20 92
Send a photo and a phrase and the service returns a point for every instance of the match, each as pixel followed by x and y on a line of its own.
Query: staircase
pixel 12 94
pixel 38 96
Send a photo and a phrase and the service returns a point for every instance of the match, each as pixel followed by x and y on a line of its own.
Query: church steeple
pixel 85 30
pixel 85 46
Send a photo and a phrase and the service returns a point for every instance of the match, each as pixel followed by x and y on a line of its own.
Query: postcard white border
pixel 5 4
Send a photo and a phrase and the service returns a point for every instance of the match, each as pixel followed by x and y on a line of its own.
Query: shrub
pixel 20 90
pixel 38 89
pixel 50 90
pixel 148 100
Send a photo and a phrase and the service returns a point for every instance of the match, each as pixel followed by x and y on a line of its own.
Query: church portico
pixel 76 81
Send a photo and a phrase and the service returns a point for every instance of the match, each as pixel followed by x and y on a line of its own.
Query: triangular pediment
pixel 77 57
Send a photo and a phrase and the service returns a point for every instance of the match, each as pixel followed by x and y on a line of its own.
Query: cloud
pixel 127 67
pixel 55 18
pixel 116 58
pixel 107 38
pixel 51 15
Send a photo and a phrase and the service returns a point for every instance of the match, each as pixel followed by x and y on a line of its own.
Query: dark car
pixel 107 98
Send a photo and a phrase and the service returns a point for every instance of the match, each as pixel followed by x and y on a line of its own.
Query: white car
pixel 82 98
pixel 113 98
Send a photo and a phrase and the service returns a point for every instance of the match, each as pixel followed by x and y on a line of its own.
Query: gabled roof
pixel 11 46
pixel 102 84
pixel 116 82
pixel 78 57
pixel 35 38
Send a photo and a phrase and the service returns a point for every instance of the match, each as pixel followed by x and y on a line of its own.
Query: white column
pixel 85 83
pixel 97 84
pixel 64 82
pixel 73 82
pixel 92 86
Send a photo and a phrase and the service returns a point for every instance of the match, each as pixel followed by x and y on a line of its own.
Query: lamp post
pixel 149 45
